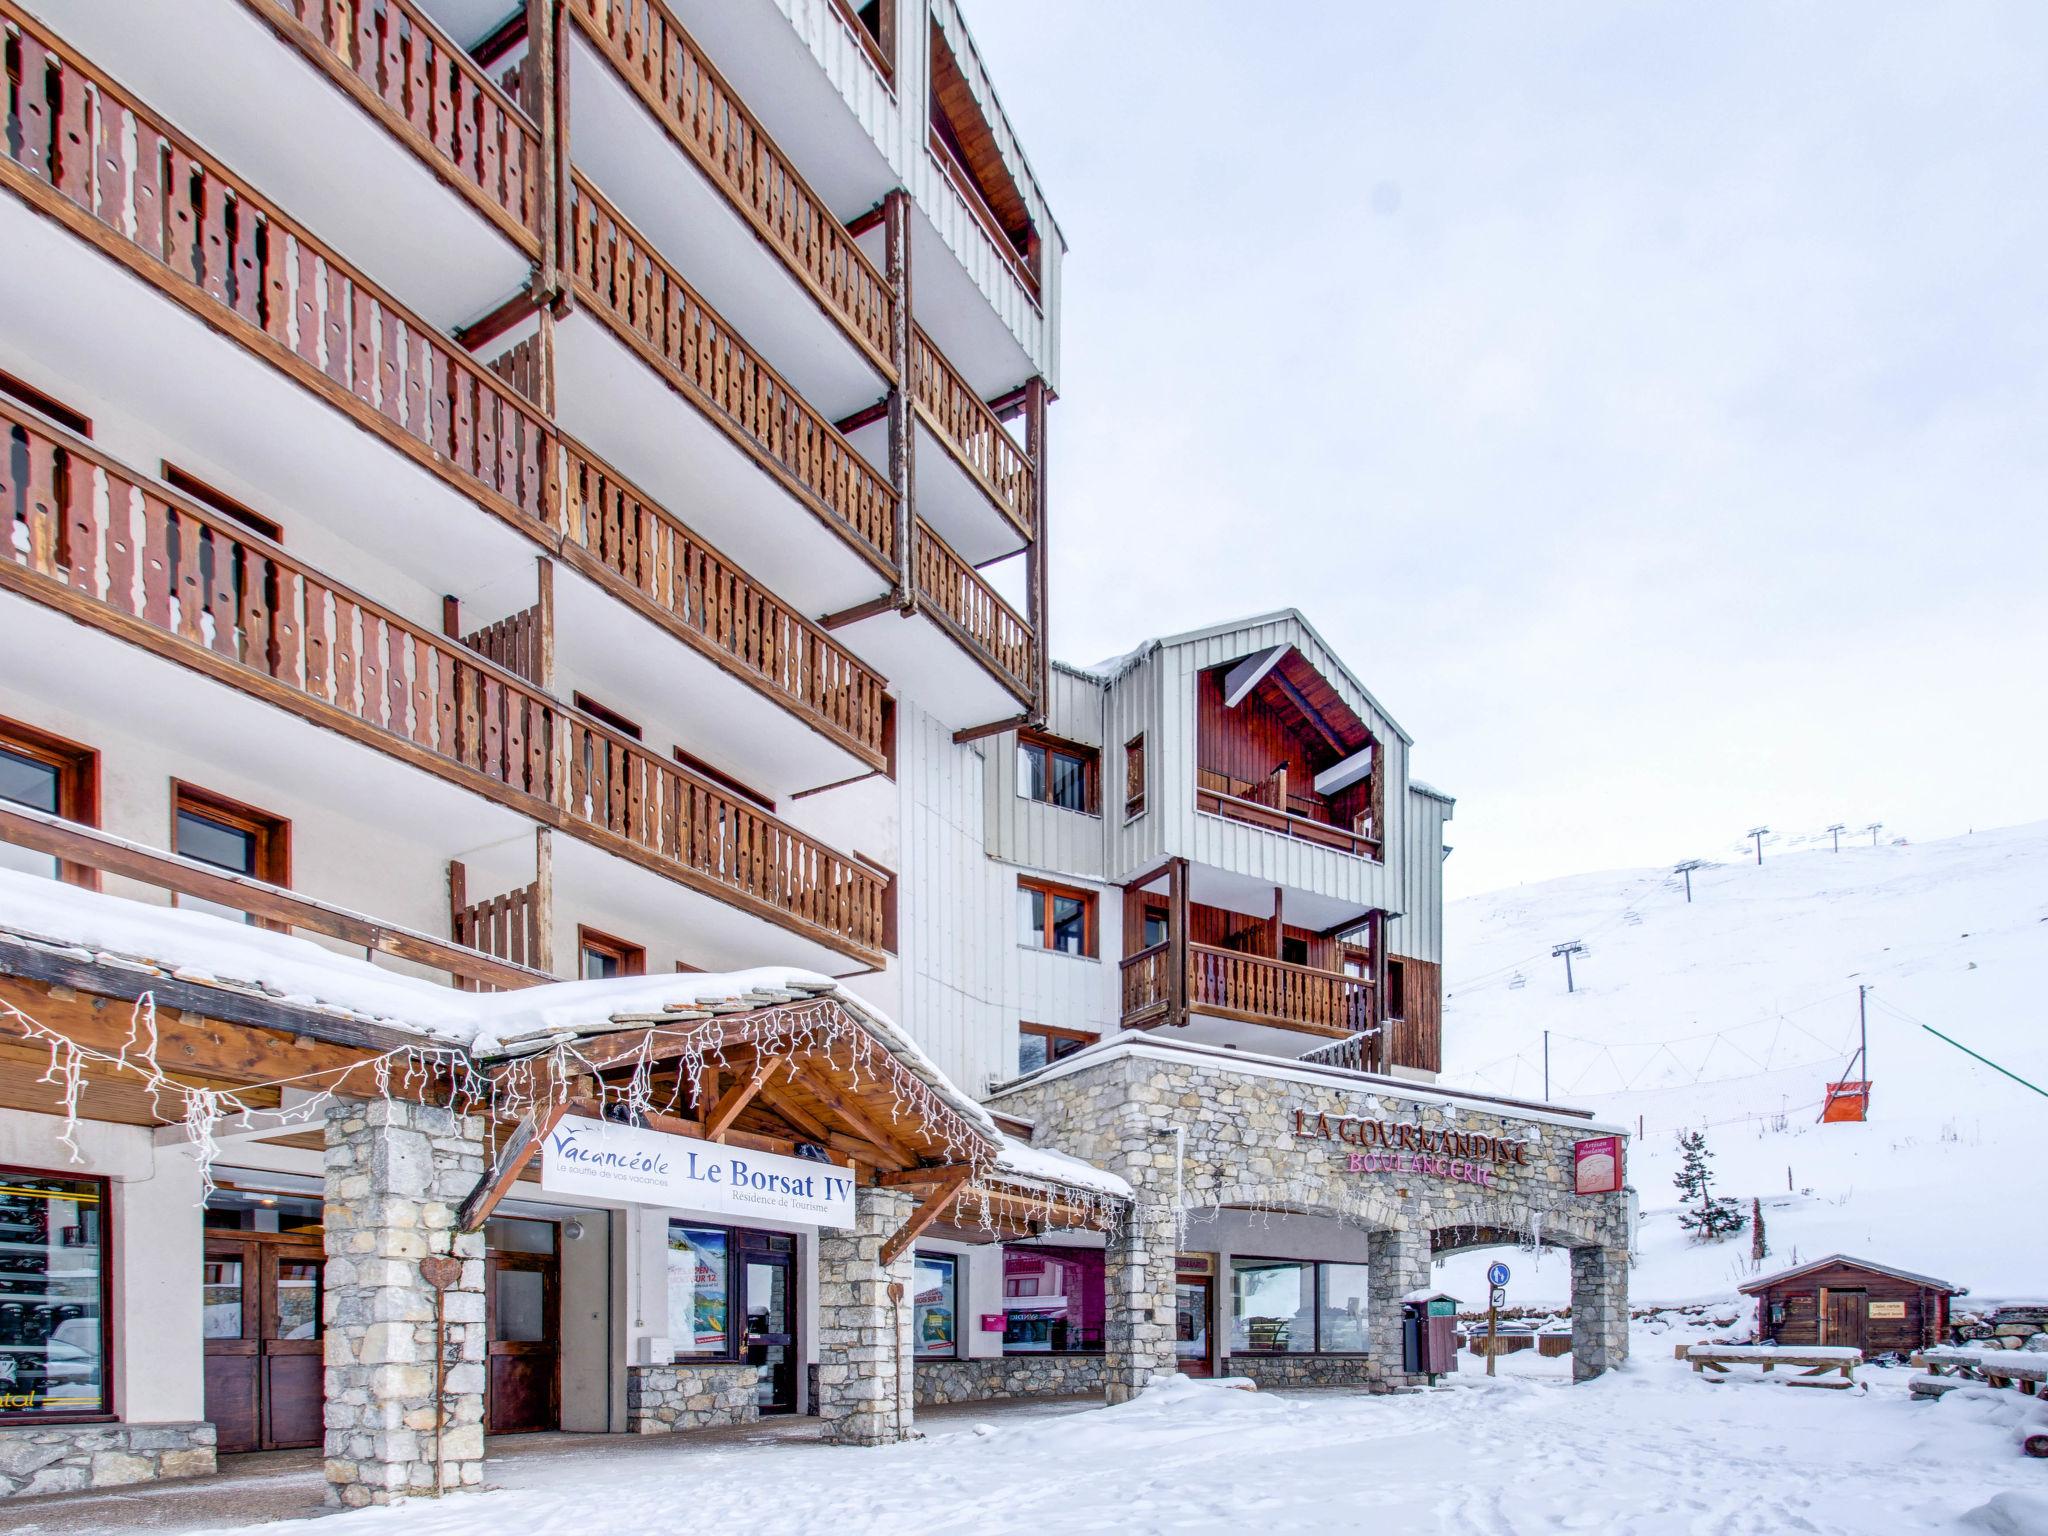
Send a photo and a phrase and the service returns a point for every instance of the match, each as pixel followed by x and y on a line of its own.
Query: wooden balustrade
pixel 971 432
pixel 392 57
pixel 1269 805
pixel 759 636
pixel 217 246
pixel 1265 991
pixel 991 627
pixel 705 117
pixel 663 318
pixel 156 562
pixel 1145 977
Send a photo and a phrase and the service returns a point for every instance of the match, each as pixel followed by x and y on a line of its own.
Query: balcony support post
pixel 1177 942
pixel 548 68
pixel 544 623
pixel 1034 614
pixel 902 423
pixel 543 930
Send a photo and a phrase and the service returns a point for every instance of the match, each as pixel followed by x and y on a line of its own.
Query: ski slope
pixel 1732 1012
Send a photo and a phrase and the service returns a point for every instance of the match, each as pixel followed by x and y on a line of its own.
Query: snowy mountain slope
pixel 1733 1012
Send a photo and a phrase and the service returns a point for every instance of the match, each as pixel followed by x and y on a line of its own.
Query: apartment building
pixel 546 879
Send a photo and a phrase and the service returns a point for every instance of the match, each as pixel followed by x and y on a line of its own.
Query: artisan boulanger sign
pixel 1387 1147
pixel 624 1162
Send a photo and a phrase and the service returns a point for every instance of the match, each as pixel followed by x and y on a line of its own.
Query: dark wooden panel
pixel 522 1394
pixel 291 1400
pixel 1419 1037
pixel 232 1398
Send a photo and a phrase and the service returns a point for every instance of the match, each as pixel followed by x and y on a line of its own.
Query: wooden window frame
pixel 1134 777
pixel 605 715
pixel 632 957
pixel 191 485
pixel 1053 1034
pixel 1091 771
pixel 881 51
pixel 78 785
pixel 958 1262
pixel 108 1411
pixel 1091 908
pixel 272 834
pixel 43 403
pixel 724 780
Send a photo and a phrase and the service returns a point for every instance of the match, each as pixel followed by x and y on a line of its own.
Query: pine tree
pixel 1759 1250
pixel 1713 1217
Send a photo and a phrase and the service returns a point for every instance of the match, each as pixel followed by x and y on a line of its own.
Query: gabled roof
pixel 1763 1282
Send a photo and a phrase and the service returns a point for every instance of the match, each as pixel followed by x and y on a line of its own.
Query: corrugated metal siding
pixel 1040 836
pixel 1135 708
pixel 1420 932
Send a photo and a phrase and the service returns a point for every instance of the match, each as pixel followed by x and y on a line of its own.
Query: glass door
pixel 261 1323
pixel 768 1271
pixel 229 1317
pixel 291 1354
pixel 524 1308
pixel 1191 1312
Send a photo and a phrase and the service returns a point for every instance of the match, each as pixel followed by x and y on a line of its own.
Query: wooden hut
pixel 1851 1302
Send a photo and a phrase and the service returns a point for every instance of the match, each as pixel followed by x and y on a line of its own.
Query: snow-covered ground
pixel 1731 1013
pixel 1649 1451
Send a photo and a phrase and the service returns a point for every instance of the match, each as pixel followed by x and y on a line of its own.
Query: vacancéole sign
pixel 609 1161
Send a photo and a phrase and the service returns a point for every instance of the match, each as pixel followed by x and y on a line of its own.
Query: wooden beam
pixel 937 1173
pixel 929 1210
pixel 866 416
pixel 1314 715
pixel 1035 572
pixel 837 1102
pixel 785 1105
pixel 896 405
pixel 513 1156
pixel 886 603
pixel 994 728
pixel 74 843
pixel 739 1096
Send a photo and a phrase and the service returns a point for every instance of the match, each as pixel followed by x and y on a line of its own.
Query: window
pixel 1294 951
pixel 1397 990
pixel 1056 917
pixel 182 480
pixel 1298 1307
pixel 233 1209
pixel 599 956
pixel 1040 1044
pixel 1155 927
pixel 61 778
pixel 1058 773
pixel 936 1318
pixel 699 1290
pixel 874 23
pixel 604 714
pixel 1052 1300
pixel 53 1296
pixel 230 836
pixel 1134 777
pixel 56 410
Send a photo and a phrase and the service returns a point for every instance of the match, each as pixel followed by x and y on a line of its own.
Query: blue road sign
pixel 1497 1274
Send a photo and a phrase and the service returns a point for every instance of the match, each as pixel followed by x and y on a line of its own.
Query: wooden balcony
pixel 973 612
pixel 704 117
pixel 202 238
pixel 1269 805
pixel 647 304
pixel 1253 989
pixel 91 539
pixel 972 434
pixel 391 58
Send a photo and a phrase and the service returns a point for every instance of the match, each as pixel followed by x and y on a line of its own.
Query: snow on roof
pixel 1761 1281
pixel 1417 787
pixel 1047 1166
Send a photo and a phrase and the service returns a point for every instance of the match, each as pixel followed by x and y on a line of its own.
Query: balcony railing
pixel 1250 988
pixel 1268 804
pixel 706 119
pixel 105 546
pixel 629 534
pixel 982 621
pixel 391 57
pixel 698 353
pixel 971 432
pixel 156 202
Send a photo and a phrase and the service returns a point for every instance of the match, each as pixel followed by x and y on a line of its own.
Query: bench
pixel 1822 1366
pixel 2025 1369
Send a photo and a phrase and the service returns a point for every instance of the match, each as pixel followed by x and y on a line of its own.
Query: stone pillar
pixel 864 1340
pixel 1138 1286
pixel 1599 1310
pixel 396 1174
pixel 1396 1263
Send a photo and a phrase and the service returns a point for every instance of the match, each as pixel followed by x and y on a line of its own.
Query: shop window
pixel 1134 777
pixel 1297 1307
pixel 53 1297
pixel 700 1291
pixel 230 836
pixel 1056 917
pixel 1040 1045
pixel 1057 773
pixel 49 774
pixel 1053 1300
pixel 936 1314
pixel 601 957
pixel 232 1209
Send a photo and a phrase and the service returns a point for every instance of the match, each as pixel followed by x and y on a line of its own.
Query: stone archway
pixel 1599 1294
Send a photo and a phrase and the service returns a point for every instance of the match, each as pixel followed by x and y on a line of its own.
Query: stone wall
pixel 1287 1372
pixel 690 1394
pixel 864 1370
pixel 976 1381
pixel 65 1458
pixel 1242 1145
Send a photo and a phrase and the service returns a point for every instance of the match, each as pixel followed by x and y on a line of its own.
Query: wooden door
pixel 768 1269
pixel 524 1305
pixel 1193 1307
pixel 261 1311
pixel 1845 1318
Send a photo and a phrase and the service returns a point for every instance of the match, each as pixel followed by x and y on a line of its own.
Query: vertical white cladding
pixel 1420 932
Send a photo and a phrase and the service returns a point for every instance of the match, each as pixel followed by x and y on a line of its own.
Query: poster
pixel 1596 1166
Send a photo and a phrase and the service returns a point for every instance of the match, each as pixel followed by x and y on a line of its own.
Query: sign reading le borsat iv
pixel 623 1162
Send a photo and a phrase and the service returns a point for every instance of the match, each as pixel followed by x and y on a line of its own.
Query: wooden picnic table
pixel 1819 1366
pixel 2025 1369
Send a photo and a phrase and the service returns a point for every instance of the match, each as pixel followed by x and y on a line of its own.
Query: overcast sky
pixel 1647 402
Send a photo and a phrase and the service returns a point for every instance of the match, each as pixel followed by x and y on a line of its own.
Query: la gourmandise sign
pixel 623 1162
pixel 1385 1147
